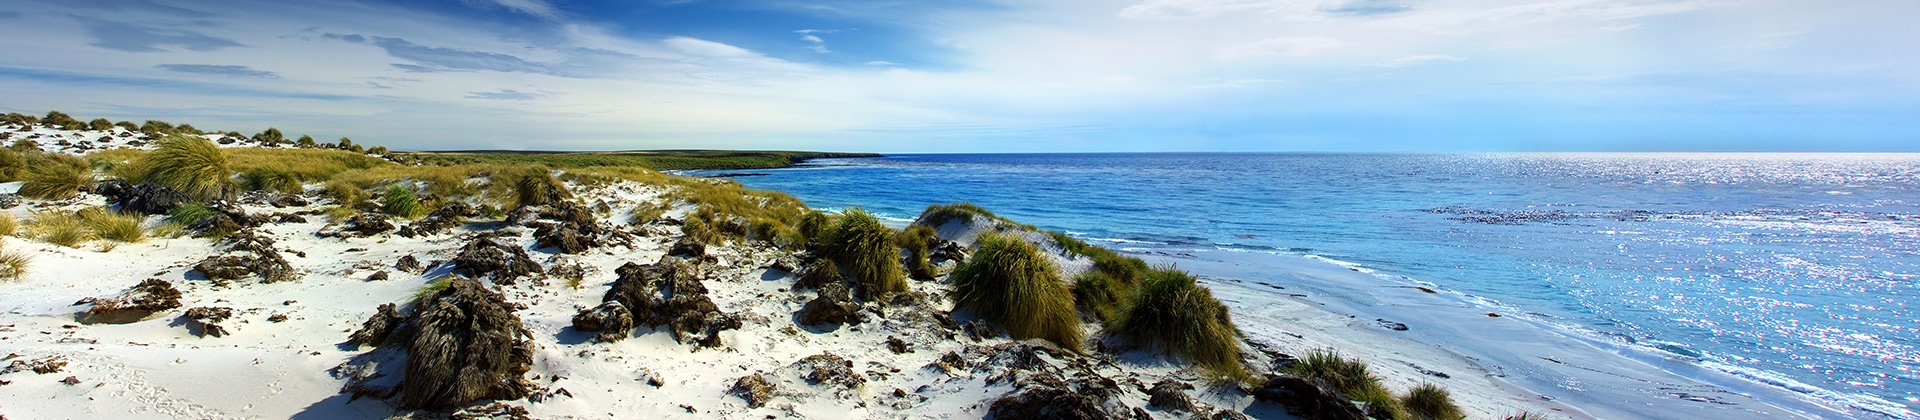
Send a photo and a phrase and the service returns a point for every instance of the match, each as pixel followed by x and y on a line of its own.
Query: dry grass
pixel 128 228
pixel 1172 312
pixel 1431 402
pixel 1352 379
pixel 13 264
pixel 191 165
pixel 59 228
pixel 55 177
pixel 1008 282
pixel 8 224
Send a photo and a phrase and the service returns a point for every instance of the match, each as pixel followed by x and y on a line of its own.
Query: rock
pixel 466 345
pixel 688 248
pixel 409 264
pixel 364 225
pixel 140 302
pixel 637 288
pixel 830 370
pixel 379 328
pixel 1391 325
pixel 491 258
pixel 611 320
pixel 288 200
pixel 378 276
pixel 71 380
pixel 443 219
pixel 833 305
pixel 1169 394
pixel 669 292
pixel 143 198
pixel 979 330
pixel 569 214
pixel 562 238
pixel 561 267
pixel 755 389
pixel 270 267
pixel 277 318
pixel 1046 398
pixel 898 346
pixel 1305 399
pixel 42 366
pixel 494 411
pixel 205 321
pixel 214 226
pixel 289 218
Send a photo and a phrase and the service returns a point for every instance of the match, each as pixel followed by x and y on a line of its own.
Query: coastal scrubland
pixel 1015 321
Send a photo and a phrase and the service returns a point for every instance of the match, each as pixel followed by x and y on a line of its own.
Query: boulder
pixel 441 220
pixel 669 292
pixel 364 225
pixel 141 302
pixel 562 238
pixel 611 321
pixel 205 321
pixel 687 247
pixel 833 305
pixel 755 388
pixel 466 346
pixel 1306 399
pixel 143 198
pixel 409 264
pixel 492 258
pixel 1046 397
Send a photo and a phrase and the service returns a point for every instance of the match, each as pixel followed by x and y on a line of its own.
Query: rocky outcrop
pixel 489 257
pixel 466 345
pixel 755 388
pixel 1301 397
pixel 441 220
pixel 1169 394
pixel 363 225
pixel 205 321
pixel 142 198
pixel 248 255
pixel 409 264
pixel 562 238
pixel 144 300
pixel 833 305
pixel 1045 396
pixel 611 321
pixel 379 328
pixel 821 271
pixel 670 293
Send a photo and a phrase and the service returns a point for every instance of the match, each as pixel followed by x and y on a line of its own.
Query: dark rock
pixel 379 328
pixel 42 366
pixel 270 267
pixel 205 321
pixel 1046 398
pixel 979 330
pixel 821 271
pixel 143 198
pixel 364 225
pixel 378 276
pixel 611 321
pixel 755 389
pixel 830 370
pixel 289 200
pixel 409 264
pixel 466 346
pixel 898 346
pixel 562 238
pixel 1305 399
pixel 277 318
pixel 71 380
pixel 140 302
pixel 833 305
pixel 670 293
pixel 443 219
pixel 213 226
pixel 492 258
pixel 289 218
pixel 1391 325
pixel 688 248
pixel 569 214
pixel 1170 394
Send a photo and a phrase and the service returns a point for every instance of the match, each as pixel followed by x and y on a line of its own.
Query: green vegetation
pixel 813 227
pixel 1349 377
pixel 1171 312
pixel 186 214
pixel 1431 402
pixel 400 202
pixel 129 228
pixel 661 160
pixel 344 193
pixel 1008 282
pixel 432 288
pixel 8 225
pixel 58 228
pixel 864 247
pixel 940 214
pixel 539 188
pixel 100 124
pixel 191 165
pixel 916 239
pixel 55 176
pixel 271 179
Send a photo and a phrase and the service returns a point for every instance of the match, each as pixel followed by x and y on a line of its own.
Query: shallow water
pixel 1799 272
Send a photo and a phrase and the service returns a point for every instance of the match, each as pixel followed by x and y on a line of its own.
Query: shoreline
pixel 1567 372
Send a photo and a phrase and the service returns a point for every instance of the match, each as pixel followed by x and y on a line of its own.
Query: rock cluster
pixel 755 388
pixel 247 254
pixel 141 302
pixel 461 345
pixel 363 225
pixel 833 305
pixel 205 321
pixel 493 258
pixel 440 220
pixel 611 320
pixel 670 293
pixel 143 198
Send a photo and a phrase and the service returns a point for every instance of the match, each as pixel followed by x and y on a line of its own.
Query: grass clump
pixel 813 227
pixel 59 228
pixel 539 188
pixel 8 225
pixel 1350 377
pixel 191 165
pixel 1431 402
pixel 13 264
pixel 1172 312
pixel 400 202
pixel 129 228
pixel 646 212
pixel 864 247
pixel 432 288
pixel 917 239
pixel 1008 282
pixel 55 177
pixel 270 179
pixel 940 214
pixel 344 193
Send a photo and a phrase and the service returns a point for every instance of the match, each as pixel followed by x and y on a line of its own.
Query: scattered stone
pixel 562 238
pixel 492 258
pixel 277 318
pixel 441 220
pixel 71 380
pixel 755 389
pixel 139 303
pixel 898 346
pixel 833 305
pixel 409 264
pixel 44 365
pixel 687 247
pixel 830 370
pixel 1046 397
pixel 611 321
pixel 289 200
pixel 979 330
pixel 1391 325
pixel 205 321
pixel 362 225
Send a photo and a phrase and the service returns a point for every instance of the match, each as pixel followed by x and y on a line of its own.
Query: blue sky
pixel 990 76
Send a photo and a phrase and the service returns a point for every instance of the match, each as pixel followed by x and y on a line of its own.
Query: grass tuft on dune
pixel 864 247
pixel 1171 312
pixel 1008 282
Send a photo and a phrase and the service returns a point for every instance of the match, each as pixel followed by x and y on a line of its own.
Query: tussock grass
pixel 13 165
pixel 1431 402
pixel 813 227
pixel 864 247
pixel 13 264
pixel 539 188
pixel 940 214
pixel 191 165
pixel 123 163
pixel 8 225
pixel 399 201
pixel 55 177
pixel 701 230
pixel 1173 313
pixel 59 228
pixel 646 212
pixel 344 193
pixel 916 239
pixel 1008 282
pixel 187 213
pixel 1350 377
pixel 129 228
pixel 271 179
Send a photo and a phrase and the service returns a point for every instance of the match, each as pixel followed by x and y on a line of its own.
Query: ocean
pixel 1794 271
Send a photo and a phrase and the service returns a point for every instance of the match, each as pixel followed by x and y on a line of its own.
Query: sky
pixel 904 76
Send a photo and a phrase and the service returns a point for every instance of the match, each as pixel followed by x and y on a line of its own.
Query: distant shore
pixel 662 160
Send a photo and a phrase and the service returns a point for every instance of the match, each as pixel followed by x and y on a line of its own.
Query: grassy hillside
pixel 653 159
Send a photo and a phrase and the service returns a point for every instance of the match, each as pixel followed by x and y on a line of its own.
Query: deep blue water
pixel 1805 267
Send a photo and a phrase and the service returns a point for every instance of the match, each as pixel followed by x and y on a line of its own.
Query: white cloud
pixel 812 38
pixel 1297 46
pixel 536 8
pixel 1419 59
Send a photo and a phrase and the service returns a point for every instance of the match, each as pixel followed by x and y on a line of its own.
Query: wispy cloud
pixel 506 95
pixel 219 70
pixel 122 36
pixel 425 59
pixel 812 38
pixel 536 8
pixel 1296 46
pixel 1419 59
pixel 174 86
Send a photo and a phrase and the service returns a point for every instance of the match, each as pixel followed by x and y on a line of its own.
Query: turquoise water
pixel 1798 271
